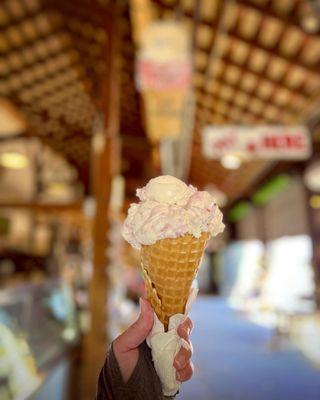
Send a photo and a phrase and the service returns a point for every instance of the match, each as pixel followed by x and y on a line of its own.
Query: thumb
pixel 138 332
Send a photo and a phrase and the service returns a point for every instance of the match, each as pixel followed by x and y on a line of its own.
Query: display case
pixel 38 329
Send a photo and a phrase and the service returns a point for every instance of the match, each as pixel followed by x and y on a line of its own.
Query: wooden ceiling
pixel 253 64
pixel 52 62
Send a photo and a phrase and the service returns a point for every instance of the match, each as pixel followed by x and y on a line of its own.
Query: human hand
pixel 182 361
pixel 126 350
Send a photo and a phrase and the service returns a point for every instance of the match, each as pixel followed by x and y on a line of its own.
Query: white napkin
pixel 165 345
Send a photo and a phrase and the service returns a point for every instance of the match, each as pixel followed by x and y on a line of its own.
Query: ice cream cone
pixel 169 267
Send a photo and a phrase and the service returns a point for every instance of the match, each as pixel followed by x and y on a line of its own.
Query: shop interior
pixel 99 96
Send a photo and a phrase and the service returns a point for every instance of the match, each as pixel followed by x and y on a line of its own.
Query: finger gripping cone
pixel 169 267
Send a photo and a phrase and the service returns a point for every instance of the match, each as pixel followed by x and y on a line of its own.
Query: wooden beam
pixel 44 207
pixel 217 25
pixel 291 60
pixel 280 85
pixel 267 11
pixel 243 109
pixel 104 166
pixel 196 22
pixel 260 77
pixel 189 14
pixel 226 59
pixel 135 142
pixel 222 81
pixel 222 9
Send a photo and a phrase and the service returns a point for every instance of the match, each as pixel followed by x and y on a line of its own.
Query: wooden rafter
pixel 292 60
pixel 291 18
pixel 290 109
pixel 258 75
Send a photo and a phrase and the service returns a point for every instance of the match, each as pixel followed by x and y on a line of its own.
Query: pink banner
pixel 163 76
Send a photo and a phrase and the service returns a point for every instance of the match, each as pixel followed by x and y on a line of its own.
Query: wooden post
pixel 104 158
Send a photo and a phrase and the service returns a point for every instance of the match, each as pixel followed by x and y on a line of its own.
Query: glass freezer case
pixel 38 330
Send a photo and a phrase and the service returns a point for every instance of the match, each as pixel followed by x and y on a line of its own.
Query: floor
pixel 233 362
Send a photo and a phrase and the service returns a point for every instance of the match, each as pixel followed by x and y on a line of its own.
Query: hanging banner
pixel 164 76
pixel 164 110
pixel 263 142
pixel 164 61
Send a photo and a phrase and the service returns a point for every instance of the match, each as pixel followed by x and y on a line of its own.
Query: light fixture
pixel 314 201
pixel 89 207
pixel 310 24
pixel 117 193
pixel 12 122
pixel 231 161
pixel 312 176
pixel 310 20
pixel 69 334
pixel 59 190
pixel 13 160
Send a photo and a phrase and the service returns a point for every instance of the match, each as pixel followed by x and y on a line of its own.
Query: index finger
pixel 185 329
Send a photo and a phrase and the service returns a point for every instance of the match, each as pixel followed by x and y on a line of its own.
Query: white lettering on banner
pixel 270 142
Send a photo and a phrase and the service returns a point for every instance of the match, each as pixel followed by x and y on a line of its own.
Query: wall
pixel 285 215
pixel 251 227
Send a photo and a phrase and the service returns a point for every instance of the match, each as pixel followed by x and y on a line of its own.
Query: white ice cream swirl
pixel 169 208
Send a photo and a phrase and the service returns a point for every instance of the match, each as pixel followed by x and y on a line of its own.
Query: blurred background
pixel 96 98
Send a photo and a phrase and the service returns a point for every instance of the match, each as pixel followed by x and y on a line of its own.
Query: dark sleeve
pixel 143 384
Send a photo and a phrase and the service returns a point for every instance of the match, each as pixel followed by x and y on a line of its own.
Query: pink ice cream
pixel 169 208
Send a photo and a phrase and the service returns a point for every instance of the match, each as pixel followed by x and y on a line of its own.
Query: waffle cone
pixel 169 267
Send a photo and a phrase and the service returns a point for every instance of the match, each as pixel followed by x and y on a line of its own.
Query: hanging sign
pixel 152 75
pixel 263 142
pixel 164 61
pixel 164 76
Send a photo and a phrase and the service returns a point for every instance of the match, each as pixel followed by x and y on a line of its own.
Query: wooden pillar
pixel 105 158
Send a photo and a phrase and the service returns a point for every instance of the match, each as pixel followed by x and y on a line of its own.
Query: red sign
pixel 268 142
